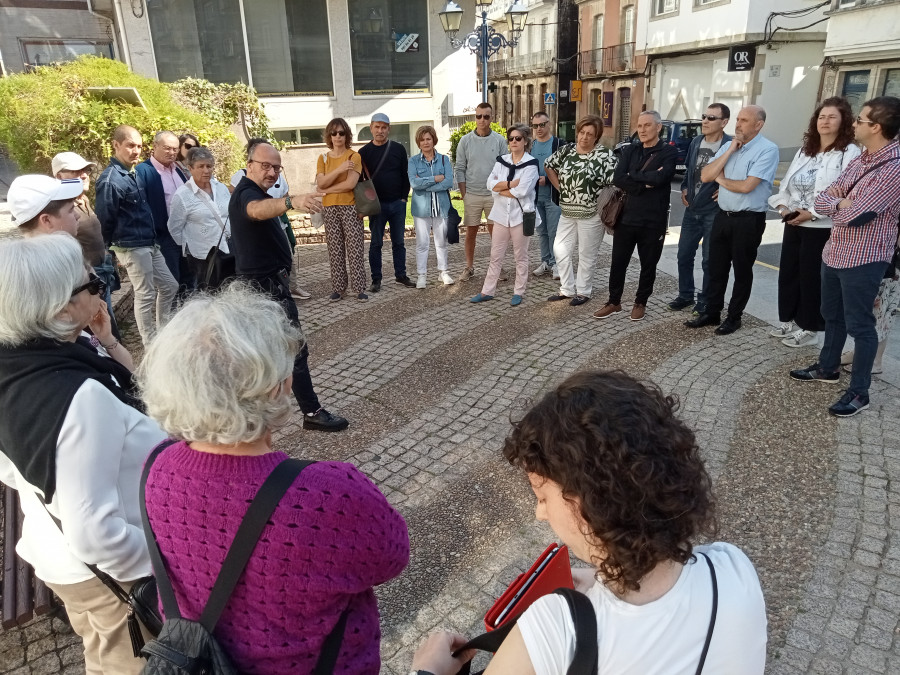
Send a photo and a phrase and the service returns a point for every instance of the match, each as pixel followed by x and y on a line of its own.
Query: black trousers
pixel 277 286
pixel 734 242
pixel 649 242
pixel 800 276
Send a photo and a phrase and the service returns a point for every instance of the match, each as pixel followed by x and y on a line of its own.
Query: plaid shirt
pixel 879 192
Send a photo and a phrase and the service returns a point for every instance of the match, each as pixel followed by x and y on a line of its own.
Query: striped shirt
pixel 877 191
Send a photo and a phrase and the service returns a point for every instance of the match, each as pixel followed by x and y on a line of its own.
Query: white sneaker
pixel 802 338
pixel 554 272
pixel 784 330
pixel 541 269
pixel 446 278
pixel 420 282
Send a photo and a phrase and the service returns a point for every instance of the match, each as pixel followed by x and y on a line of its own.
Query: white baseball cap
pixel 69 161
pixel 28 195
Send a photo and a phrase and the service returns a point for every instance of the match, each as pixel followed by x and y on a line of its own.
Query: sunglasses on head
pixel 95 286
pixel 711 118
pixel 516 138
pixel 338 132
pixel 484 116
pixel 539 125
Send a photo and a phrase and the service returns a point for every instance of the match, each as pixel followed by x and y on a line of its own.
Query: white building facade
pixel 862 52
pixel 688 44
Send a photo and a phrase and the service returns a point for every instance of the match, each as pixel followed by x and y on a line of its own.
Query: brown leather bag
pixel 611 209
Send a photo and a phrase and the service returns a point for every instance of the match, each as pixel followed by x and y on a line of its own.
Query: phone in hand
pixel 789 216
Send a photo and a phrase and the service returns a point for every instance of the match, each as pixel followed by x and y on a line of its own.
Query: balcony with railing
pixel 607 60
pixel 533 63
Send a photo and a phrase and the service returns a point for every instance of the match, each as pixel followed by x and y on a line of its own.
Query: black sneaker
pixel 375 287
pixel 406 281
pixel 703 320
pixel 558 297
pixel 679 304
pixel 698 309
pixel 728 326
pixel 815 374
pixel 849 404
pixel 334 297
pixel 579 300
pixel 322 420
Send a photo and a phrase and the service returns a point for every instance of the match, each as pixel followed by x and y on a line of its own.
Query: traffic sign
pixel 550 98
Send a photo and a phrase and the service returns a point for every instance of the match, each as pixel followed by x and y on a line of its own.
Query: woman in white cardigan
pixel 73 437
pixel 827 149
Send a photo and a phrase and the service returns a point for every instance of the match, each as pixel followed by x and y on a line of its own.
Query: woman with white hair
pixel 73 439
pixel 218 379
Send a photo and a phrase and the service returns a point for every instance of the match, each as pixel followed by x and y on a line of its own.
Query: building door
pixel 856 86
pixel 624 113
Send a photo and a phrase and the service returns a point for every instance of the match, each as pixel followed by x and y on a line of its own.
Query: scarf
pixel 38 381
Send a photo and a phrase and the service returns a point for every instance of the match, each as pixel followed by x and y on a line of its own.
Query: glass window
pixel 663 7
pixel 198 38
pixel 891 83
pixel 389 46
pixel 289 46
pixel 286 136
pixel 627 34
pixel 598 31
pixel 42 52
pixel 311 136
pixel 399 134
pixel 855 89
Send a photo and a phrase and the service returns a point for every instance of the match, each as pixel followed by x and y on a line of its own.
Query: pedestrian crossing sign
pixel 550 98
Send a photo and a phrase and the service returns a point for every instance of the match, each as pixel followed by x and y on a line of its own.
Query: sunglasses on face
pixel 515 138
pixel 539 125
pixel 483 117
pixel 95 286
pixel 188 146
pixel 711 118
pixel 268 167
pixel 338 132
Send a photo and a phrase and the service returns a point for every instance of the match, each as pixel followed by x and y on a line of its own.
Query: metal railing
pixel 521 64
pixel 613 59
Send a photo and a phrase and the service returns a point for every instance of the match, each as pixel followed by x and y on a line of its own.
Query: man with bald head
pixel 126 222
pixel 744 169
pixel 262 256
pixel 163 176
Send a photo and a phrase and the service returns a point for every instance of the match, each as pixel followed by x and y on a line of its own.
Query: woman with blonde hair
pixel 337 173
pixel 431 178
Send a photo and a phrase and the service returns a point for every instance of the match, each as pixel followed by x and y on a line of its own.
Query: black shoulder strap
pixel 868 171
pixel 712 617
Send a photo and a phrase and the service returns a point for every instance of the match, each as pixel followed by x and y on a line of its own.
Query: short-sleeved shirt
pixel 758 158
pixel 327 164
pixel 581 177
pixel 260 247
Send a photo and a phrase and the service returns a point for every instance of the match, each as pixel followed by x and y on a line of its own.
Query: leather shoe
pixel 322 420
pixel 375 287
pixel 728 326
pixel 406 281
pixel 703 320
pixel 637 311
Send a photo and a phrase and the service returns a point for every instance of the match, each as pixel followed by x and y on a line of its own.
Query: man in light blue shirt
pixel 744 170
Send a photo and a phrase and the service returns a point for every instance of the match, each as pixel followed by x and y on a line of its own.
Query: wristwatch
pixel 287 202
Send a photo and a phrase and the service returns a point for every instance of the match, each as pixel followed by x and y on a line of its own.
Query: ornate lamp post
pixel 484 41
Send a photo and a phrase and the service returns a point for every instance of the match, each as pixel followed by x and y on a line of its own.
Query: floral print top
pixel 581 177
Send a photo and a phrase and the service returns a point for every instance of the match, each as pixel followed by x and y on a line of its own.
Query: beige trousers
pixel 99 618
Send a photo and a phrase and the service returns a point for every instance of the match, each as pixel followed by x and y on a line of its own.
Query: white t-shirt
pixel 664 637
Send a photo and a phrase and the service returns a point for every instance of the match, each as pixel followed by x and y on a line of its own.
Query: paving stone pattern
pixel 431 381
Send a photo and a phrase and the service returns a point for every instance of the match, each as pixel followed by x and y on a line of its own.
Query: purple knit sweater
pixel 332 538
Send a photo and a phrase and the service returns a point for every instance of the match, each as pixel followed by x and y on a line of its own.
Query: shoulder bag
pixel 218 256
pixel 364 193
pixel 611 202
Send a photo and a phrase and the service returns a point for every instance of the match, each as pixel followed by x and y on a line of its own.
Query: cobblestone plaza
pixel 430 382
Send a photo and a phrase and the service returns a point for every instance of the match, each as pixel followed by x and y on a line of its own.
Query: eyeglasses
pixel 711 118
pixel 516 138
pixel 268 167
pixel 539 125
pixel 860 120
pixel 338 132
pixel 485 116
pixel 95 286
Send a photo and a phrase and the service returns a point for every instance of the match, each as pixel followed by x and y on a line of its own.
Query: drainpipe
pixel 123 39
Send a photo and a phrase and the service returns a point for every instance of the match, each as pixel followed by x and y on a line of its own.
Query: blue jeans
pixel 848 300
pixel 694 227
pixel 546 230
pixel 392 214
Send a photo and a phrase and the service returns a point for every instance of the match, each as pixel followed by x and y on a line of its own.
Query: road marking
pixel 771 267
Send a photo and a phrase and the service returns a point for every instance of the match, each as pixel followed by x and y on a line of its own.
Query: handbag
pixel 529 219
pixel 364 193
pixel 453 221
pixel 611 210
pixel 218 256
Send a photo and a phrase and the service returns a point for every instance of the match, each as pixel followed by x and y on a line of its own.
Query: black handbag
pixel 529 220
pixel 453 221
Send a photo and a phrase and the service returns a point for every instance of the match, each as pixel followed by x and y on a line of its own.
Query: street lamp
pixel 484 41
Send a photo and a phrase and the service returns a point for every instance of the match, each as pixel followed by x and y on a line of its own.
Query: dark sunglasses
pixel 483 117
pixel 338 132
pixel 539 125
pixel 516 138
pixel 188 146
pixel 95 286
pixel 711 118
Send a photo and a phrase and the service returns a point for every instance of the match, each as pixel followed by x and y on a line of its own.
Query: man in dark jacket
pixel 644 173
pixel 699 198
pixel 126 222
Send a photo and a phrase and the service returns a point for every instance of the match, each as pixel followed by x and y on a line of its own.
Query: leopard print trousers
pixel 346 244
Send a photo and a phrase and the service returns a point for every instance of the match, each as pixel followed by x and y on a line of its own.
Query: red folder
pixel 550 571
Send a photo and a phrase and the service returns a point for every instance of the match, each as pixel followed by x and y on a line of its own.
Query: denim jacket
pixel 701 202
pixel 421 178
pixel 122 207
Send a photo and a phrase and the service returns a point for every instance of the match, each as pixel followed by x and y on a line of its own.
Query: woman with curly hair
pixel 827 150
pixel 620 480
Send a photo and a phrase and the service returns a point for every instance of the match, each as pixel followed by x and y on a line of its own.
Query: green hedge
pixel 48 111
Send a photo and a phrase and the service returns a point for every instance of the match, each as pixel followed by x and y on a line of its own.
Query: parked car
pixel 679 134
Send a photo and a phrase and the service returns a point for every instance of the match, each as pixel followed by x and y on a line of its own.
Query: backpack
pixel 186 647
